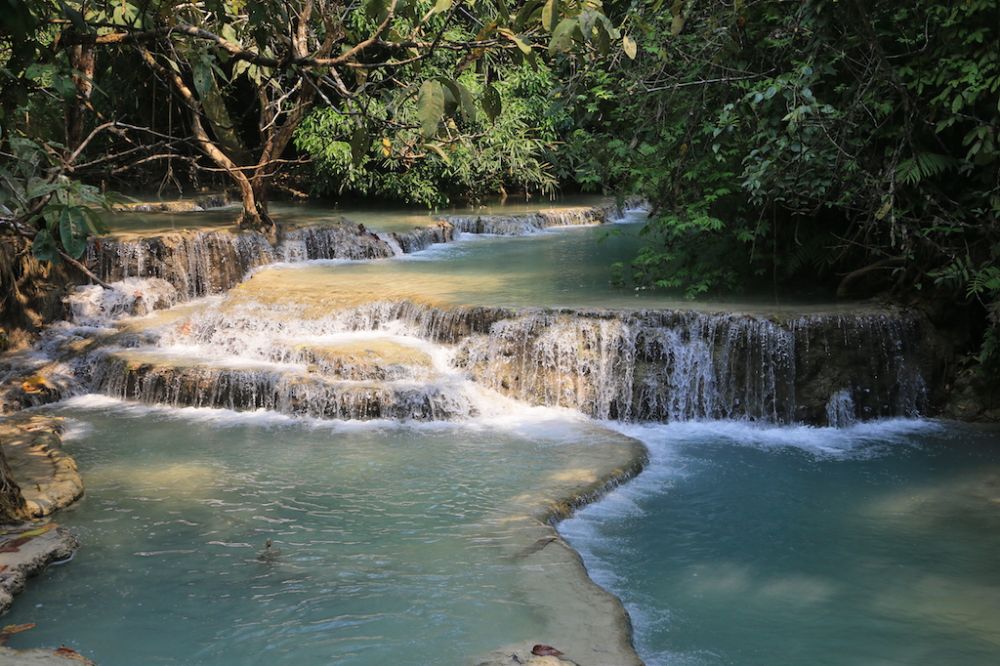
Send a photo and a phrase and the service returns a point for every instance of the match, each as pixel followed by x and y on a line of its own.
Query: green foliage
pixel 469 155
pixel 804 141
pixel 38 201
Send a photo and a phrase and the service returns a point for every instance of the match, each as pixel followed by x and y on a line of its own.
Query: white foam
pixel 860 440
pixel 541 422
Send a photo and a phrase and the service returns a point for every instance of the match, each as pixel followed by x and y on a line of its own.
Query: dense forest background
pixel 851 145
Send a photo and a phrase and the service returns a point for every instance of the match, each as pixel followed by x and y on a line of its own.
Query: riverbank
pixel 38 478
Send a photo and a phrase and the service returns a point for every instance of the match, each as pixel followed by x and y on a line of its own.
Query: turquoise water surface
pixel 392 539
pixel 871 545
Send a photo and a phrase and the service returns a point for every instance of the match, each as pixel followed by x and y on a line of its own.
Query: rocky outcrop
pixel 26 551
pixel 37 477
pixel 47 478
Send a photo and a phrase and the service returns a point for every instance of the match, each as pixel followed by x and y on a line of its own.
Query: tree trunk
pixel 254 214
pixel 12 507
pixel 253 194
pixel 83 60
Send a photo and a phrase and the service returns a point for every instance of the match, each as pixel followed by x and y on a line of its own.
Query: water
pixel 396 541
pixel 379 216
pixel 429 543
pixel 559 268
pixel 874 544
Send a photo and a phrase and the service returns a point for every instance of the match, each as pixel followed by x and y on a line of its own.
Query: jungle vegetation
pixel 851 144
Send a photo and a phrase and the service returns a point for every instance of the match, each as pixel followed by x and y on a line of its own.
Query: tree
pixel 850 145
pixel 248 73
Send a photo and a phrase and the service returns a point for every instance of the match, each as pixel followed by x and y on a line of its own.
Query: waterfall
pixel 663 366
pixel 631 366
pixel 422 238
pixel 528 223
pixel 333 242
pixel 282 390
pixel 673 366
pixel 195 263
pixel 840 410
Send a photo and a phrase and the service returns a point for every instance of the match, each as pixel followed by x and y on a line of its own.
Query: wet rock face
pixel 673 366
pixel 874 365
pixel 332 242
pixel 199 263
pixel 25 551
pixel 195 263
pixel 423 237
pixel 287 392
pixel 523 225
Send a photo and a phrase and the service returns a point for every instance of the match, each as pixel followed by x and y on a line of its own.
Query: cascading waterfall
pixel 682 366
pixel 523 225
pixel 631 366
pixel 199 263
pixel 280 390
pixel 333 242
pixel 663 366
pixel 195 263
pixel 422 238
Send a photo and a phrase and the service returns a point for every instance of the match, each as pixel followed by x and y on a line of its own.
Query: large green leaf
pixel 562 36
pixel 491 102
pixel 550 15
pixel 468 104
pixel 453 95
pixel 44 247
pixel 360 142
pixel 430 107
pixel 204 79
pixel 73 231
pixel 95 222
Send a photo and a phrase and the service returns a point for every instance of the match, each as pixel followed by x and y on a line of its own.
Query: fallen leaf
pixel 545 651
pixel 70 653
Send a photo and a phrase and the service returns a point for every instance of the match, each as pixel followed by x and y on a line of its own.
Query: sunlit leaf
pixel 630 47
pixel 430 107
